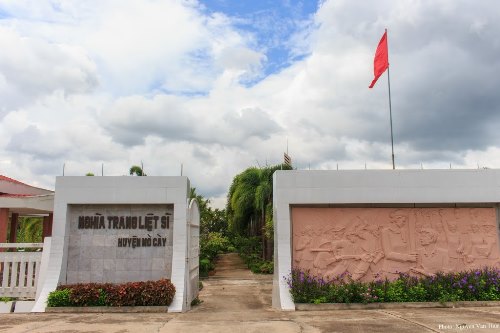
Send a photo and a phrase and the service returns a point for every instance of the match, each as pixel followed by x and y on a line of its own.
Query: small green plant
pixel 267 267
pixel 59 298
pixel 211 245
pixel 196 301
pixel 7 299
pixel 250 250
pixel 205 266
pixel 260 266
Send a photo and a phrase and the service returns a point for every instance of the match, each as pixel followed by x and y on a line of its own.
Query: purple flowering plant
pixel 482 284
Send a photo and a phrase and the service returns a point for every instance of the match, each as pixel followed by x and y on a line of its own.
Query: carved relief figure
pixel 303 256
pixel 479 248
pixel 325 255
pixel 490 238
pixel 344 252
pixel 483 245
pixel 431 218
pixel 454 240
pixel 333 241
pixel 438 225
pixel 370 251
pixel 432 258
pixel 353 254
pixel 396 245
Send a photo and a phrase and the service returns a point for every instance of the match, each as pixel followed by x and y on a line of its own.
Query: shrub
pixel 266 267
pixel 150 293
pixel 250 250
pixel 89 294
pixel 246 246
pixel 473 285
pixel 211 245
pixel 7 299
pixel 59 298
pixel 114 295
pixel 205 266
pixel 260 266
pixel 196 302
pixel 164 292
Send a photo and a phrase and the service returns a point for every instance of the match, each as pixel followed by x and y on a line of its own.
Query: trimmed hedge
pixel 148 293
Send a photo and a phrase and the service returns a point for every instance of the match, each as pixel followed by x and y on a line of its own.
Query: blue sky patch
pixel 271 22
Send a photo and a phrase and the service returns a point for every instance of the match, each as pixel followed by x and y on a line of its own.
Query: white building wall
pixel 368 187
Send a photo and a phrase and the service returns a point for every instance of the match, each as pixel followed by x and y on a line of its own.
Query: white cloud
pixel 31 68
pixel 165 82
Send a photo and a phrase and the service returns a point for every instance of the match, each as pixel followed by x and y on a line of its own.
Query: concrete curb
pixel 401 305
pixel 19 306
pixel 107 309
pixel 6 307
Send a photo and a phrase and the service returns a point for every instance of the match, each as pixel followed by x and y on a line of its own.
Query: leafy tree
pixel 136 170
pixel 215 220
pixel 240 207
pixel 211 220
pixel 249 204
pixel 29 229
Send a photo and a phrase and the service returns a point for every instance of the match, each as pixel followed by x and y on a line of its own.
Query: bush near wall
pixel 472 285
pixel 250 250
pixel 148 293
pixel 211 245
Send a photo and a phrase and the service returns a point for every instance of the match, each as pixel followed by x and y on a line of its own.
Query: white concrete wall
pixel 117 190
pixel 365 187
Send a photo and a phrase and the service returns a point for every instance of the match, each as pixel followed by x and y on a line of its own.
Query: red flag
pixel 381 61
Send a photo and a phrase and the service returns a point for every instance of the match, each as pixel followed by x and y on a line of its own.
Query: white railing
pixel 19 271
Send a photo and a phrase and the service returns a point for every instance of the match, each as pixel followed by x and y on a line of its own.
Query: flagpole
pixel 390 107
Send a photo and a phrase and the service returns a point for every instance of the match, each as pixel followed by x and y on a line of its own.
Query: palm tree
pixel 264 206
pixel 137 170
pixel 249 206
pixel 30 229
pixel 241 202
pixel 262 199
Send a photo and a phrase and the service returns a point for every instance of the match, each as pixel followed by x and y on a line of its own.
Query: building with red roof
pixel 19 199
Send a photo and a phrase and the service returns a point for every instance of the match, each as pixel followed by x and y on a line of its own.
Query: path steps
pixel 231 266
pixel 234 287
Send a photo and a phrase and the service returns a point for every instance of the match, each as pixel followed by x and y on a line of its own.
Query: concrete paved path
pixel 235 300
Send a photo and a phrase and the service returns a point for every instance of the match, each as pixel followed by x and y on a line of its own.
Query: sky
pixel 220 85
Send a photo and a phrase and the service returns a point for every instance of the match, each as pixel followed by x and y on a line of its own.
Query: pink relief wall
pixel 373 243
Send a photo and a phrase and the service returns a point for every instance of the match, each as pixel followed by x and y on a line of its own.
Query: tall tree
pixel 241 211
pixel 249 204
pixel 211 220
